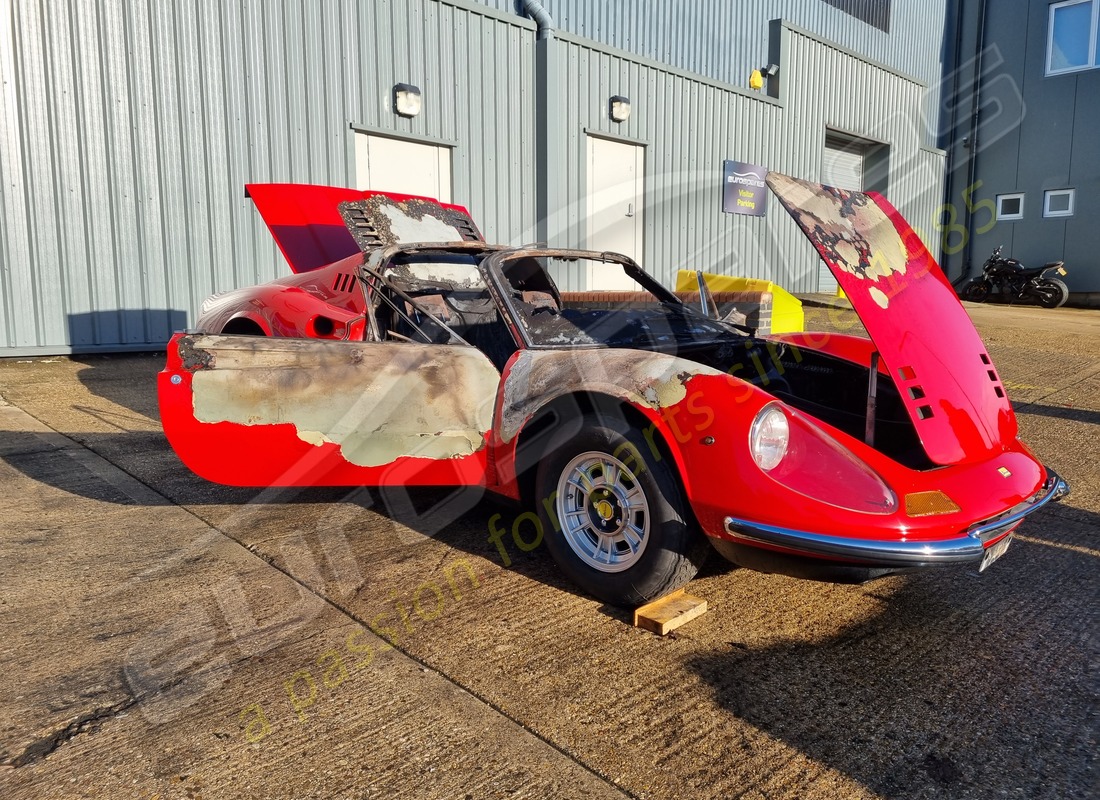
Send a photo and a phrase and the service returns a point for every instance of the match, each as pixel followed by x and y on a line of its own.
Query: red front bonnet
pixel 925 338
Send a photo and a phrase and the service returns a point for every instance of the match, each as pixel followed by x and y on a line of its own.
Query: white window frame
pixel 1001 216
pixel 1093 27
pixel 1071 193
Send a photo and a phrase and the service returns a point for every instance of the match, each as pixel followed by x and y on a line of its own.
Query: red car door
pixel 254 411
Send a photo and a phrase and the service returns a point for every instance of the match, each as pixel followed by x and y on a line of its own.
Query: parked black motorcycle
pixel 1012 279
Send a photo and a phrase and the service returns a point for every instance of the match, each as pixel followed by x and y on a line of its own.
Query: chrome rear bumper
pixel 963 548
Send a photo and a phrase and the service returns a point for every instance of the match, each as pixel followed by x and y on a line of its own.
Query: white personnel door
pixel 398 165
pixel 616 194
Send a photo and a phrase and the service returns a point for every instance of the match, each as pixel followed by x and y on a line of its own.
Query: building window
pixel 1071 36
pixel 1058 203
pixel 1010 207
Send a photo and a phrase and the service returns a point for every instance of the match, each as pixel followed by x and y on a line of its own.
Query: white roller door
pixel 842 166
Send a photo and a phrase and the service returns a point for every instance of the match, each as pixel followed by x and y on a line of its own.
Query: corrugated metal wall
pixel 128 131
pixel 819 93
pixel 690 126
pixel 726 39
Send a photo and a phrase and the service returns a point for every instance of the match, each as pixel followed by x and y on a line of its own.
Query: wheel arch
pixel 534 437
pixel 245 326
pixel 683 407
pixel 646 495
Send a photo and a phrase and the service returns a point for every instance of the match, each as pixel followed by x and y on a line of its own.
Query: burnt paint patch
pixel 848 230
pixel 381 221
pixel 657 380
pixel 192 357
pixel 378 403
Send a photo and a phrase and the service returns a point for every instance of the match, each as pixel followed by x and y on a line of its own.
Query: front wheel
pixel 616 521
pixel 1050 292
pixel 977 291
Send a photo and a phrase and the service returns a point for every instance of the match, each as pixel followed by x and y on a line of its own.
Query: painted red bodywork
pixel 293 306
pixel 721 481
pixel 920 329
pixel 857 349
pixel 928 347
pixel 273 455
pixel 305 221
pixel 720 478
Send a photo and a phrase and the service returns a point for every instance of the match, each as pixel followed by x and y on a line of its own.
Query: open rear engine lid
pixel 317 225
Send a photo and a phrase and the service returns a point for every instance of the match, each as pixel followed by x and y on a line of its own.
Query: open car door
pixel 253 411
pixel 256 411
pixel 925 338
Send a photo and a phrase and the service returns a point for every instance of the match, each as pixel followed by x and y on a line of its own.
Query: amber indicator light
pixel 928 504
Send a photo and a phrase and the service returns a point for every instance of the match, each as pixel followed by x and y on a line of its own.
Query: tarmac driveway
pixel 165 637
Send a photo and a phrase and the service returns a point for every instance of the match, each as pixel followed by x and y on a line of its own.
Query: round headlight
pixel 769 437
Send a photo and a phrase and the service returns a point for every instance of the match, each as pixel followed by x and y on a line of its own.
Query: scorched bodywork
pixel 638 432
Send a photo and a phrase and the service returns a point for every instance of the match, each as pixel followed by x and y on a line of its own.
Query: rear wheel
pixel 1050 292
pixel 977 291
pixel 615 518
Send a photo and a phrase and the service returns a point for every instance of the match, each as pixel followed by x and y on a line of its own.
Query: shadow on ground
pixel 1060 412
pixel 989 690
pixel 958 686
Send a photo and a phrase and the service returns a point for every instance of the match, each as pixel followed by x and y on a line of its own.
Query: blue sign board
pixel 743 189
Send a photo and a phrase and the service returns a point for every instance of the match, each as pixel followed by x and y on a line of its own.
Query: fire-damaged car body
pixel 406 350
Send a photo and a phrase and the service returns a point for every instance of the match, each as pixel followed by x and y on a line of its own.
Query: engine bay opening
pixel 825 387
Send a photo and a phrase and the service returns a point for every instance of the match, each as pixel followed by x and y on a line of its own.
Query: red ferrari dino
pixel 406 350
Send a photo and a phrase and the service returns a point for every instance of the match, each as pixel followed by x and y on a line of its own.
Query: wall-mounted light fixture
pixel 620 108
pixel 757 76
pixel 406 99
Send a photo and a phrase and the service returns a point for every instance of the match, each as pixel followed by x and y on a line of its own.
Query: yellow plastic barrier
pixel 787 314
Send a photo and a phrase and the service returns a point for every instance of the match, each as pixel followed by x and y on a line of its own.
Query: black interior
pixel 830 389
pixel 473 315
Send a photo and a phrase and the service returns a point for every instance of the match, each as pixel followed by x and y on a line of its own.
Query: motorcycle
pixel 1013 279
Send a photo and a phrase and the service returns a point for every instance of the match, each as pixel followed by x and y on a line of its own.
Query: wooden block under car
pixel 668 613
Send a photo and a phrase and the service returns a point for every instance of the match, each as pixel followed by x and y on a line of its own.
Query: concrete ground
pixel 165 637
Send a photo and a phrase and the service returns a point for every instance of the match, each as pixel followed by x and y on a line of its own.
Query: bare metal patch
pixel 377 401
pixel 657 380
pixel 428 275
pixel 381 221
pixel 406 229
pixel 849 231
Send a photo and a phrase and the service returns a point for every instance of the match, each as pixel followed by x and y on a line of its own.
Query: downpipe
pixel 537 12
pixel 972 160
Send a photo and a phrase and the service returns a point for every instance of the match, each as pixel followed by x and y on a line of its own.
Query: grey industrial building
pixel 129 129
pixel 1024 153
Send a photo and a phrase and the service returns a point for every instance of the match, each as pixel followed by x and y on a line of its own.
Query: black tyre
pixel 977 291
pixel 614 516
pixel 1050 292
